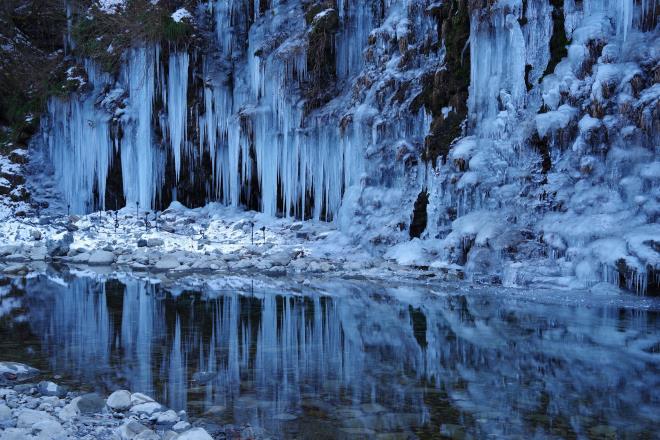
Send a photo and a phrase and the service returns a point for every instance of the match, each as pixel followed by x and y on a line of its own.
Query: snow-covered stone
pixel 28 417
pixel 119 400
pixel 195 434
pixel 101 258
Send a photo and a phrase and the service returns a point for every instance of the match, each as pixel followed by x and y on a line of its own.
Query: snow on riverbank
pixel 179 241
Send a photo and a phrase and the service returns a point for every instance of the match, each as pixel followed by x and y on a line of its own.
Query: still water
pixel 351 360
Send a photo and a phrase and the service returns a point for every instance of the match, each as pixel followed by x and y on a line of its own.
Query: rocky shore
pixel 181 241
pixel 32 408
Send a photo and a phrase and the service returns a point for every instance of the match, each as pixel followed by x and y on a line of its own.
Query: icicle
pixel 79 145
pixel 496 41
pixel 177 105
pixel 142 167
pixel 358 21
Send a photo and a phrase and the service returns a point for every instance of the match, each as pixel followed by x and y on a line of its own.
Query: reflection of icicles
pixel 80 327
pixel 137 331
pixel 176 384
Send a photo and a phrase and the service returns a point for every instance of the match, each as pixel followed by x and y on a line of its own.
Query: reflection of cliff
pixel 367 360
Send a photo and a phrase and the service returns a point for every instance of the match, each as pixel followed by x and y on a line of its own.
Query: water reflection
pixel 352 360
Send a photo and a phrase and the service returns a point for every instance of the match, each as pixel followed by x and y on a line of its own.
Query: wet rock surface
pixel 47 411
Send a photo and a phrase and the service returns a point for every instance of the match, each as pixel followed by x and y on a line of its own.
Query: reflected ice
pixel 357 359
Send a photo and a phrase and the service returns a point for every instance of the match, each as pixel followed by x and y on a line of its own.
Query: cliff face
pixel 508 137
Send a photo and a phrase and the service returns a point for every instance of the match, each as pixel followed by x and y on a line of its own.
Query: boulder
pixel 282 258
pixel 181 426
pixel 59 247
pixel 137 398
pixel 153 242
pixel 91 403
pixel 147 408
pixel 35 234
pixel 82 258
pixel 167 262
pixel 101 258
pixel 120 400
pixel 15 434
pixel 70 410
pixel 195 434
pixel 38 253
pixel 5 412
pixel 47 388
pixel 48 430
pixel 9 250
pixel 28 417
pixel 142 243
pixel 16 268
pixel 168 417
pixel 14 371
pixel 131 429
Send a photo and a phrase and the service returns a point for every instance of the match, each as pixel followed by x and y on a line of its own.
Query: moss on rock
pixel 448 87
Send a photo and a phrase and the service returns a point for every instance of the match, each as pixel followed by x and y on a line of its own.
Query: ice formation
pixel 550 138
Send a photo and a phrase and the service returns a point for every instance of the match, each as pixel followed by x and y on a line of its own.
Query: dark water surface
pixel 351 360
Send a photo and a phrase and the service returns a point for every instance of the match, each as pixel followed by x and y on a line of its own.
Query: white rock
pixel 101 258
pixel 120 400
pixel 15 434
pixel 167 262
pixel 131 429
pixel 29 417
pixel 137 398
pixel 48 430
pixel 4 392
pixel 147 435
pixel 153 242
pixel 146 408
pixel 15 268
pixel 69 411
pixel 195 434
pixel 181 426
pixel 168 416
pixel 5 412
pixel 81 258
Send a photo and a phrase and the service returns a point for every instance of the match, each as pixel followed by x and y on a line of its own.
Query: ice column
pixel 79 144
pixel 142 167
pixel 497 76
pixel 177 105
